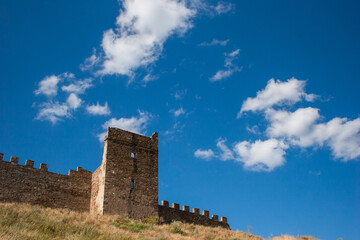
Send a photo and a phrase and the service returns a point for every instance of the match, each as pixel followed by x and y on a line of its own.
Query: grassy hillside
pixel 22 221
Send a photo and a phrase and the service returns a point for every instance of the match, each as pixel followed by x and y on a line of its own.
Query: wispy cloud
pixel 61 105
pixel 53 112
pixel 180 94
pixel 148 78
pixel 315 173
pixel 97 109
pixel 90 62
pixel 230 68
pixel 223 7
pixel 206 8
pixel 214 42
pixel 135 124
pixel 225 152
pixel 78 86
pixel 178 112
pixel 175 130
pixel 253 129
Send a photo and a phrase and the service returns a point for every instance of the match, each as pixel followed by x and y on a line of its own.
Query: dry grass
pixel 22 221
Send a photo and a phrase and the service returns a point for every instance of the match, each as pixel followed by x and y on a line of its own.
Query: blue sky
pixel 256 102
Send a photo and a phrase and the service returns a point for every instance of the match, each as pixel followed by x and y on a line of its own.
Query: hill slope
pixel 23 221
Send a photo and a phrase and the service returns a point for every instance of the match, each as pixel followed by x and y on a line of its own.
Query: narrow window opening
pixel 132 184
pixel 132 155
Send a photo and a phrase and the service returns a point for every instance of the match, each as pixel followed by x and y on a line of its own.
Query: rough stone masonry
pixel 126 184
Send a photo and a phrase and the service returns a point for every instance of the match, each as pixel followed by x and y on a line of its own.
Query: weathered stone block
pixel 223 219
pixel 14 160
pixel 44 167
pixel 205 213
pixel 186 208
pixel 165 203
pixel 196 210
pixel 175 206
pixel 29 163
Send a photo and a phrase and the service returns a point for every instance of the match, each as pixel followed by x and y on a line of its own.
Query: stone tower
pixel 126 183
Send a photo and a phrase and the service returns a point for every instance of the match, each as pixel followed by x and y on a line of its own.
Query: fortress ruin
pixel 125 184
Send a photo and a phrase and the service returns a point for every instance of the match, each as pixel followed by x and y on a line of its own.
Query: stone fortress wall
pixel 126 183
pixel 26 184
pixel 169 214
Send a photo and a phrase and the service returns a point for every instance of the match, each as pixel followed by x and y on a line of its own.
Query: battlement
pixel 168 214
pixel 195 211
pixel 28 163
pixel 43 167
pixel 134 139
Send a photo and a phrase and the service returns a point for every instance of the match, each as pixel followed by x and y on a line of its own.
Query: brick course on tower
pixel 125 184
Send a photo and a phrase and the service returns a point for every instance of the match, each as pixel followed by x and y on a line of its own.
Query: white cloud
pixel 230 67
pixel 291 125
pixel 231 55
pixel 223 7
pixel 204 7
pixel 90 62
pixel 258 156
pixel 180 94
pixel 136 124
pixel 48 86
pixel 148 78
pixel 79 86
pixel 344 137
pixel 222 74
pixel 73 101
pixel 214 42
pixel 53 112
pixel 178 112
pixel 226 153
pixel 300 128
pixel 142 28
pixel 204 154
pixel 254 129
pixel 261 155
pixel 97 109
pixel 285 129
pixel 277 93
pixel 175 130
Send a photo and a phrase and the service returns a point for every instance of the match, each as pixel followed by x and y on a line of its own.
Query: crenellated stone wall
pixel 169 214
pixel 24 183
